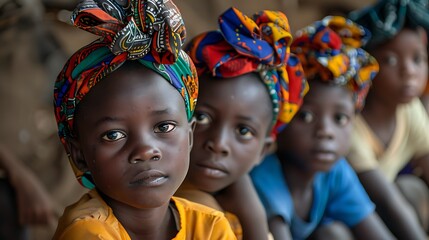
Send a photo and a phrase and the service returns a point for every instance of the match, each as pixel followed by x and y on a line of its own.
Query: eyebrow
pixel 248 119
pixel 108 119
pixel 243 118
pixel 207 105
pixel 162 111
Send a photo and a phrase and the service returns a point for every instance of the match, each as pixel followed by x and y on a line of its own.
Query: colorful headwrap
pixel 387 17
pixel 259 44
pixel 150 32
pixel 330 51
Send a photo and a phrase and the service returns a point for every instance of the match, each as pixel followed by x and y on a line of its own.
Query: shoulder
pixel 413 111
pixel 90 215
pixel 269 168
pixel 89 206
pixel 201 222
pixel 271 186
pixel 268 178
pixel 192 208
pixel 341 170
pixel 338 178
pixel 340 166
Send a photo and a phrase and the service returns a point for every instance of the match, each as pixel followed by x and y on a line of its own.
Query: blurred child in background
pixel 393 128
pixel 307 184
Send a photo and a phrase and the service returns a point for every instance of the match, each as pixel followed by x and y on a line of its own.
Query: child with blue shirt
pixel 307 183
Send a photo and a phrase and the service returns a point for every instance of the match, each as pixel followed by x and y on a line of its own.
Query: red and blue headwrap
pixel 258 44
pixel 330 51
pixel 148 31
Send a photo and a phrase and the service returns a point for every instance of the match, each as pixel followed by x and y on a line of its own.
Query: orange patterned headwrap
pixel 254 44
pixel 330 51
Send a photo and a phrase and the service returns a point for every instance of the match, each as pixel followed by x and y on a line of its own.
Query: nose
pixel 143 150
pixel 325 128
pixel 218 141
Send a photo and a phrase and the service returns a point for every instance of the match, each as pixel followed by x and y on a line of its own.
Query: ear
pixel 192 125
pixel 269 147
pixel 76 155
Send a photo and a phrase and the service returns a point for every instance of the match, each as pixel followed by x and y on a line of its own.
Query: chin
pixel 323 166
pixel 205 185
pixel 406 99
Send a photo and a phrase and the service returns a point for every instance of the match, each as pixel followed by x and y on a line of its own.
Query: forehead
pixel 239 93
pixel 131 86
pixel 323 95
pixel 405 40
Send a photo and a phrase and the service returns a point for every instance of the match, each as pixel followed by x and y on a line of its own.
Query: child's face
pixel 319 133
pixel 233 118
pixel 134 138
pixel 403 68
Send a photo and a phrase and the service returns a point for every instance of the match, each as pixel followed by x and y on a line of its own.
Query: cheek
pixel 344 139
pixel 247 157
pixel 386 78
pixel 423 77
pixel 197 148
pixel 178 154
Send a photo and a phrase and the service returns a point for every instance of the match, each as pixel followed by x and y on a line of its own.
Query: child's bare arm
pixel 279 229
pixel 33 201
pixel 372 227
pixel 422 167
pixel 241 199
pixel 395 211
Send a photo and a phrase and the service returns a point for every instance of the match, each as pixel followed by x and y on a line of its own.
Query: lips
pixel 324 155
pixel 212 170
pixel 149 178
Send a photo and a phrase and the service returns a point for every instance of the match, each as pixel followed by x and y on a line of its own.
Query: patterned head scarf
pixel 387 17
pixel 330 51
pixel 258 44
pixel 150 32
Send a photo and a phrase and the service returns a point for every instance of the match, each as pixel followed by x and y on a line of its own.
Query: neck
pixel 149 223
pixel 378 109
pixel 298 180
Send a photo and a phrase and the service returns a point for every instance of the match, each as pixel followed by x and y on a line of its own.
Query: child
pixel 393 127
pixel 307 183
pixel 250 86
pixel 127 130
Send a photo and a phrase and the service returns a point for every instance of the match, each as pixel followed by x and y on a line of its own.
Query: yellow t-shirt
pixel 410 140
pixel 92 218
pixel 187 192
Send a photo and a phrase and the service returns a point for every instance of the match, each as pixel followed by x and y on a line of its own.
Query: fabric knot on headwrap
pixel 330 51
pixel 258 44
pixel 141 27
pixel 387 17
pixel 150 32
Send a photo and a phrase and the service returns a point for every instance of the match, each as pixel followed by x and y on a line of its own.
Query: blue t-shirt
pixel 337 195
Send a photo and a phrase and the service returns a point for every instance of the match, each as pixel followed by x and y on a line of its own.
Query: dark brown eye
pixel 391 60
pixel 113 135
pixel 306 116
pixel 202 118
pixel 244 132
pixel 164 127
pixel 342 119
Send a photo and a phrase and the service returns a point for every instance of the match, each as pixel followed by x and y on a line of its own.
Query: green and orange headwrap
pixel 330 51
pixel 148 31
pixel 258 44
